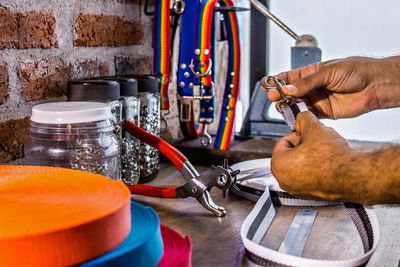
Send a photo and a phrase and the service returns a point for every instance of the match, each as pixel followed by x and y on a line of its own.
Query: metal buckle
pixel 187 100
pixel 198 74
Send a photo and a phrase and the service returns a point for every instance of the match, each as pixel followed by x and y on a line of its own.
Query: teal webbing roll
pixel 143 246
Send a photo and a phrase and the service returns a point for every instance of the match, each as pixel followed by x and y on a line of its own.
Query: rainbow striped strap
pixel 186 79
pixel 227 117
pixel 161 44
pixel 201 61
pixel 190 63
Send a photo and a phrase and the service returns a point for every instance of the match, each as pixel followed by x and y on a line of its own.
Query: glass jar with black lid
pixel 150 122
pixel 130 146
pixel 104 91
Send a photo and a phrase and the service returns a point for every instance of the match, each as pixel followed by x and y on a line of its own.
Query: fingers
pixel 273 95
pixel 306 121
pixel 286 143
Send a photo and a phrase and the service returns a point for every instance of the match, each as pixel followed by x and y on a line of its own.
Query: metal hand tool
pixel 197 186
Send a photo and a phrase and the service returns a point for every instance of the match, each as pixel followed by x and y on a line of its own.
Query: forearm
pixel 386 82
pixel 372 177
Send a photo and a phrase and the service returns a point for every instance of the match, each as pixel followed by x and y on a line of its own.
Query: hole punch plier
pixel 197 186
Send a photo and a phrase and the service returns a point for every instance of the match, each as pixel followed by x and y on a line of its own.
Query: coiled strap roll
pixel 58 217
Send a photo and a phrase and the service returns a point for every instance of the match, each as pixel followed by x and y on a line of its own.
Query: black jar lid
pixel 93 90
pixel 146 83
pixel 128 86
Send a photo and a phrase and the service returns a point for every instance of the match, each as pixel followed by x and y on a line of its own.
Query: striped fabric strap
pixel 161 44
pixel 202 53
pixel 227 117
pixel 257 222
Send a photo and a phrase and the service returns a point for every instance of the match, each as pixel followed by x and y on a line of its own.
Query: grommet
pixel 232 73
pixel 165 99
pixel 183 66
pixel 190 85
pixel 206 51
pixel 186 74
pixel 197 51
pixel 229 96
pixel 182 84
pixel 165 79
pixel 231 85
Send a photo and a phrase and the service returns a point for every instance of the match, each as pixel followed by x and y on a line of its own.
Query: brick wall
pixel 43 43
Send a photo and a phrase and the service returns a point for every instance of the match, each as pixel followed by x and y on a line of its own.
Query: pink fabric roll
pixel 177 250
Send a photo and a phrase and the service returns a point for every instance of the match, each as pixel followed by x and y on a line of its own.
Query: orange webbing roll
pixel 53 216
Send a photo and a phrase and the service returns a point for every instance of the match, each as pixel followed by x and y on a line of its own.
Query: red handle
pixel 152 191
pixel 177 158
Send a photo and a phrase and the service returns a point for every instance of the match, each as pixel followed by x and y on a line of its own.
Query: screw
pixel 221 179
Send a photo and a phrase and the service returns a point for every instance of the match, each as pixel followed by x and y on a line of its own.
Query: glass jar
pixel 107 92
pixel 150 122
pixel 103 91
pixel 74 135
pixel 130 146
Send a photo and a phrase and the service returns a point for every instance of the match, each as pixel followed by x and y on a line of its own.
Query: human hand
pixel 308 163
pixel 344 88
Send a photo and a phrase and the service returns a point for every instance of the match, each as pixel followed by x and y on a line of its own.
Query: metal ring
pixel 179 6
pixel 199 74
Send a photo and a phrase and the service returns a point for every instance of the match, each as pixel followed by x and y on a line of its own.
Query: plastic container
pixel 150 122
pixel 74 135
pixel 130 146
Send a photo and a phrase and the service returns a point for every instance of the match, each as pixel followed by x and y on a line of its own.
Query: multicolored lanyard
pixel 227 117
pixel 199 73
pixel 161 45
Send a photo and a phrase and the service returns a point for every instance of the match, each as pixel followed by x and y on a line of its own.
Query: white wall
pixel 343 28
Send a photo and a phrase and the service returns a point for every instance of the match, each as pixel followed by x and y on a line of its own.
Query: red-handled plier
pixel 196 185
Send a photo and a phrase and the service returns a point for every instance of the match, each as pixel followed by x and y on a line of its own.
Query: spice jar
pixel 74 135
pixel 150 122
pixel 130 146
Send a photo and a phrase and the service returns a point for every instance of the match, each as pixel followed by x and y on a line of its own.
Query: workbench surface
pixel 216 241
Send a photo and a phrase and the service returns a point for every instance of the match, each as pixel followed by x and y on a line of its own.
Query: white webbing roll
pixel 257 222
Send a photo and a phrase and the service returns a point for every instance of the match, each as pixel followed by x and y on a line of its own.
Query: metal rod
pixel 269 15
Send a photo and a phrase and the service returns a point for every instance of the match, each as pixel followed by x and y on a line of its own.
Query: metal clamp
pixel 285 100
pixel 198 74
